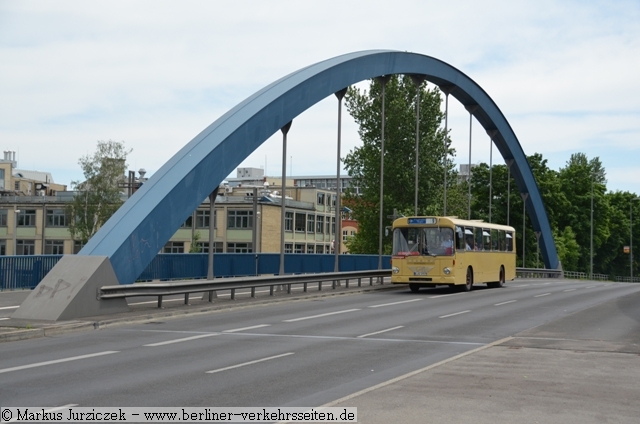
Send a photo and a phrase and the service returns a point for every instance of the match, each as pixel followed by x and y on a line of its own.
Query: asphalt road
pixel 300 353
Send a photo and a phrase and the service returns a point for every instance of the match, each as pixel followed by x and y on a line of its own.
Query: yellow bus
pixel 430 251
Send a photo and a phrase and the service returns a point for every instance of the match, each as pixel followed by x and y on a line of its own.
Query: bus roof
pixel 447 221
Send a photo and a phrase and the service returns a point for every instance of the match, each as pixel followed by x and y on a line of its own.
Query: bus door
pixel 461 258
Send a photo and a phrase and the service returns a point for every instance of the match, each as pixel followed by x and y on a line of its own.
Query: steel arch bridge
pixel 143 225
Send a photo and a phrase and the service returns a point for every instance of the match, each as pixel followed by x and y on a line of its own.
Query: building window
pixel 288 248
pixel 202 219
pixel 3 247
pixel 16 186
pixel 333 225
pixel 204 247
pixel 174 247
pixel 288 221
pixel 239 248
pixel 56 218
pixel 321 199
pixel 345 235
pixel 3 217
pixel 239 219
pixel 311 223
pixel 310 248
pixel 300 218
pixel 54 247
pixel 25 247
pixel 299 248
pixel 319 248
pixel 188 223
pixel 320 224
pixel 27 218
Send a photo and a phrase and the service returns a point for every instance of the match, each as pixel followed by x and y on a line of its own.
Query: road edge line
pixel 412 373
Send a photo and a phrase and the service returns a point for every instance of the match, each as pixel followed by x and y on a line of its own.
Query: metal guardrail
pixel 586 276
pixel 628 279
pixel 162 289
pixel 539 273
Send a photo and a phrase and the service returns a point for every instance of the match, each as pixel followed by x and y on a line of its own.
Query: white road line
pixel 9 307
pixel 320 316
pixel 394 303
pixel 2 319
pixel 457 313
pixel 57 361
pixel 185 339
pixel 246 328
pixel 381 331
pixel 521 285
pixel 568 290
pixel 543 294
pixel 444 295
pixel 249 363
pixel 504 303
pixel 590 287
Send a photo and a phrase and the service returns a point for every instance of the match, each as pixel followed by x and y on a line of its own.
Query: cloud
pixel 563 73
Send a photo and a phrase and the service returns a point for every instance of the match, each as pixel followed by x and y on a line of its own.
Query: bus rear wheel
pixel 414 287
pixel 499 283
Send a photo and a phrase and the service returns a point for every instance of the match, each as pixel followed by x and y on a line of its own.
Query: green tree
pixel 363 163
pixel 568 249
pixel 580 181
pixel 195 246
pixel 507 206
pixel 98 196
pixel 611 257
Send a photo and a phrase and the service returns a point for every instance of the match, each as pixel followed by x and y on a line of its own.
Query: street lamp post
pixel 591 243
pixel 631 237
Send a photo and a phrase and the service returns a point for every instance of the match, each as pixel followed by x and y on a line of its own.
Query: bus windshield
pixel 417 241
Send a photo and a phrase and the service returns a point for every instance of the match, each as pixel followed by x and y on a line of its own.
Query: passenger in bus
pixel 447 244
pixel 469 243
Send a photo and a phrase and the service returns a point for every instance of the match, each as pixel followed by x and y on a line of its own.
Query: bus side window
pixel 494 240
pixel 509 241
pixel 502 240
pixel 486 236
pixel 478 239
pixel 468 236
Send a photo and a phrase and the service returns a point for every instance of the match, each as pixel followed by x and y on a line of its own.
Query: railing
pixel 161 289
pixel 25 272
pixel 586 276
pixel 538 273
pixel 628 279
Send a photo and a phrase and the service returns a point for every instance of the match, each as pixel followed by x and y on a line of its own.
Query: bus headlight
pixel 447 271
pixel 395 270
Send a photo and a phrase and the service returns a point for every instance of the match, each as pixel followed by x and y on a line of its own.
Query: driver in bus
pixel 447 244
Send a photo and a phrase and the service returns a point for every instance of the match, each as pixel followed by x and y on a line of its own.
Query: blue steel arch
pixel 143 225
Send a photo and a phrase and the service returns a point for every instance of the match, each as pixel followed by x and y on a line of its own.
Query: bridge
pixel 124 246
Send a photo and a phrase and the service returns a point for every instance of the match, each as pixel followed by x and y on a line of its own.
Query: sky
pixel 153 74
